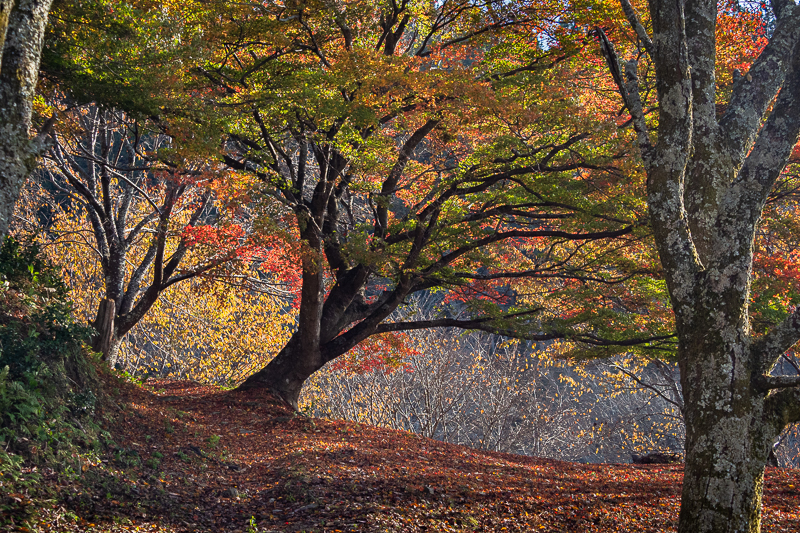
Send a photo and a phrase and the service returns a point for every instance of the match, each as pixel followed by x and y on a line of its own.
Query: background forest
pixel 440 217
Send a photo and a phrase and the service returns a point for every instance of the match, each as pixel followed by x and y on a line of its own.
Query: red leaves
pixel 385 351
pixel 496 291
pixel 785 268
pixel 225 236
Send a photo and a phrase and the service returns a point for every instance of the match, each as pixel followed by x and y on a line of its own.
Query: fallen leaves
pixel 230 456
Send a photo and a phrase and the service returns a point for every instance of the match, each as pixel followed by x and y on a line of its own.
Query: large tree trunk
pixel 22 26
pixel 301 356
pixel 708 179
pixel 286 374
pixel 728 437
pixel 724 473
pixel 728 441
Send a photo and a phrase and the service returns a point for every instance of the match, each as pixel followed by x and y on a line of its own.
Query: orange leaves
pixel 741 36
pixel 495 291
pixel 296 473
pixel 380 353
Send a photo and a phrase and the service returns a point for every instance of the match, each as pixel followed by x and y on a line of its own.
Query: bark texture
pixel 708 181
pixel 104 326
pixel 22 26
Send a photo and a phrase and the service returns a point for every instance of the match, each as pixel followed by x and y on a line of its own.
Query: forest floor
pixel 181 457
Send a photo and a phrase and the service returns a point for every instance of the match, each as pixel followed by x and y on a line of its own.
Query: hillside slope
pixel 183 457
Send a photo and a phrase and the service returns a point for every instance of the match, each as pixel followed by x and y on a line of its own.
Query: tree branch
pixel 636 23
pixel 765 383
pixel 449 257
pixel 634 103
pixel 390 183
pixel 629 90
pixel 755 91
pixel 770 347
pixel 649 386
pixel 743 201
pixel 538 274
pixel 782 408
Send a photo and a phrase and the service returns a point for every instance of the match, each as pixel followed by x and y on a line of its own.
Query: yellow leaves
pixel 219 334
pixel 208 330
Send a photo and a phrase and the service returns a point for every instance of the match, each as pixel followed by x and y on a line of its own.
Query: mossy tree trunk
pixel 709 176
pixel 22 26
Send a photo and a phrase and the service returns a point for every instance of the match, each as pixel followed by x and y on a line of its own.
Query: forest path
pixel 186 457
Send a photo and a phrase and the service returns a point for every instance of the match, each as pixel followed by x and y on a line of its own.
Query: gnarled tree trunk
pixel 287 372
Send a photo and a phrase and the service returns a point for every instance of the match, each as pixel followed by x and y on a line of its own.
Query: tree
pixel 710 168
pixel 22 26
pixel 153 216
pixel 412 148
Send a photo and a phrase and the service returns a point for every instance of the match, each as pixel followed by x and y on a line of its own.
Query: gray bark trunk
pixel 728 437
pixel 724 474
pixel 22 28
pixel 708 179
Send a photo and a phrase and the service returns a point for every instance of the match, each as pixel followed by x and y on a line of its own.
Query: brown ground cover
pixel 189 458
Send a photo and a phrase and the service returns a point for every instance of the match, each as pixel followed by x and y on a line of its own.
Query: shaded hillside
pixel 194 458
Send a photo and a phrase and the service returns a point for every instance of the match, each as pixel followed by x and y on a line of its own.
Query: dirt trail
pixel 195 458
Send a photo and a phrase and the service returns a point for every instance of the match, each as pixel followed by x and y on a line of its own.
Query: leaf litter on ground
pixel 190 458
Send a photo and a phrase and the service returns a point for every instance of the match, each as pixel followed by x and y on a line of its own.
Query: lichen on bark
pixel 708 181
pixel 22 26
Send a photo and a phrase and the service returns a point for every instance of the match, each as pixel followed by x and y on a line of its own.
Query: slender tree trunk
pixel 104 326
pixel 108 338
pixel 113 351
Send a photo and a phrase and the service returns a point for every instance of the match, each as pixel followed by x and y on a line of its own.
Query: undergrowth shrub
pixel 48 385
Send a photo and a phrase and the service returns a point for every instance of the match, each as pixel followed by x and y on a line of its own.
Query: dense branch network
pixel 406 157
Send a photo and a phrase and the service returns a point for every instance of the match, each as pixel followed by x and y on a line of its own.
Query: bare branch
pixel 628 89
pixel 648 386
pixel 769 348
pixel 634 103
